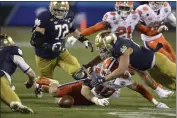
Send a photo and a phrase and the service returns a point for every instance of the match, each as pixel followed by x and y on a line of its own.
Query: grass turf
pixel 129 105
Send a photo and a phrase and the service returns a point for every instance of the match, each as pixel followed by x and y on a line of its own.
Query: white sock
pixel 154 101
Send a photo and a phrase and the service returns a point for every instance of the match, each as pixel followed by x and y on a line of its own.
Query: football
pixel 66 102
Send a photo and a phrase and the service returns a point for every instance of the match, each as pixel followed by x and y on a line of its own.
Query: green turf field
pixel 129 105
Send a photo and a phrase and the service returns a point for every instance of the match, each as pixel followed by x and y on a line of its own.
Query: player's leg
pixel 147 78
pixel 166 67
pixel 153 44
pixel 168 48
pixel 9 97
pixel 70 64
pixel 45 68
pixel 146 94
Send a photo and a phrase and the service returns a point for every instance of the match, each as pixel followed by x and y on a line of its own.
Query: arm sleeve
pixel 172 19
pixel 20 62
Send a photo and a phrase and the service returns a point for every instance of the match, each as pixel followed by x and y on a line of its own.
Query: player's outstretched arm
pixel 93 62
pixel 123 65
pixel 86 92
pixel 95 28
pixel 146 30
pixel 20 62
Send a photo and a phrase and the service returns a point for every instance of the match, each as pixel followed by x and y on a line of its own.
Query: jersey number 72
pixel 63 30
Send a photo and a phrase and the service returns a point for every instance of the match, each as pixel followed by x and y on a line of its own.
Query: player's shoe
pixel 38 92
pixel 162 106
pixel 18 107
pixel 163 93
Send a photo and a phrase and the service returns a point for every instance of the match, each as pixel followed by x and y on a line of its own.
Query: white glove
pixel 162 28
pixel 100 102
pixel 57 47
pixel 71 41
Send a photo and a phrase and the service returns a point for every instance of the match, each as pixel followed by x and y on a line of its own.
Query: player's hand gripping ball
pixel 66 102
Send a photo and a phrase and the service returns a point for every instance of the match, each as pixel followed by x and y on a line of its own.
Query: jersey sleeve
pixel 41 20
pixel 109 17
pixel 72 21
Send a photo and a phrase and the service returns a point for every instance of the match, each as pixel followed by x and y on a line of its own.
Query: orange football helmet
pixel 124 8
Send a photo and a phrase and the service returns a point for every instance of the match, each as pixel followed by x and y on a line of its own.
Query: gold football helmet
pixel 105 38
pixel 5 41
pixel 59 9
pixel 104 42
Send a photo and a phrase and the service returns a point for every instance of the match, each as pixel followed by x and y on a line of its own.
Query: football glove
pixel 97 80
pixel 58 47
pixel 71 41
pixel 87 43
pixel 162 28
pixel 100 102
pixel 29 84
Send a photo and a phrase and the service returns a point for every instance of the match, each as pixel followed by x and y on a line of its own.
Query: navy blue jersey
pixel 55 31
pixel 6 59
pixel 140 59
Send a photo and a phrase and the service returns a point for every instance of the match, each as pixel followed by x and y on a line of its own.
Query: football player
pixel 51 27
pixel 123 21
pixel 83 95
pixel 11 58
pixel 130 54
pixel 153 15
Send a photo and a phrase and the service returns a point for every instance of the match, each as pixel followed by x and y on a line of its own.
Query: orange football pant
pixel 166 49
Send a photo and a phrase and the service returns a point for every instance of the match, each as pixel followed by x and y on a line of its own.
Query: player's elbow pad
pixel 37 39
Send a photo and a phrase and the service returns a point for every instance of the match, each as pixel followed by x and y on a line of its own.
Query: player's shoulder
pixel 143 8
pixel 44 15
pixel 166 6
pixel 111 15
pixel 14 50
pixel 134 15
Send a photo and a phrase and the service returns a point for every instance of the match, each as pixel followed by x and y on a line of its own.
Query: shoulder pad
pixel 109 16
pixel 143 8
pixel 167 7
pixel 42 18
pixel 135 15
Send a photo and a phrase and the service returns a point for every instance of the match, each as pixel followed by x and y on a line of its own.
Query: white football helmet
pixel 124 8
pixel 156 5
pixel 59 9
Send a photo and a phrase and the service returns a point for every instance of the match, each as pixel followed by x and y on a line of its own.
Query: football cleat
pixel 163 93
pixel 162 106
pixel 18 107
pixel 38 92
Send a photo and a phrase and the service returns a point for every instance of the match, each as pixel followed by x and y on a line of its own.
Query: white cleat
pixel 18 107
pixel 38 92
pixel 162 106
pixel 163 93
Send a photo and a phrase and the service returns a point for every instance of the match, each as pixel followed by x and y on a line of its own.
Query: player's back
pixel 6 61
pixel 141 58
pixel 55 31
